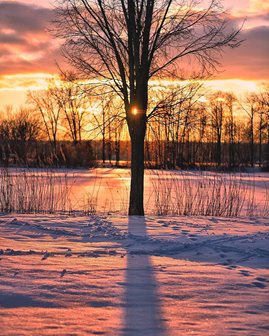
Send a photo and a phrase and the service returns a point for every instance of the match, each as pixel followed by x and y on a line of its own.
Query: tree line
pixel 68 126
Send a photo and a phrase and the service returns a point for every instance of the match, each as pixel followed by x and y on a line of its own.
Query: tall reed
pixel 170 193
pixel 202 194
pixel 32 191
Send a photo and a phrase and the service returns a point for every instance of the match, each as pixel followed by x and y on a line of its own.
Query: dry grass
pixel 173 193
pixel 33 191
pixel 205 194
pixel 52 191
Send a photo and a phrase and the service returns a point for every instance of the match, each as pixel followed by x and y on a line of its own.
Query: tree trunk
pixel 117 152
pixel 103 149
pixel 260 149
pixel 137 130
pixel 218 151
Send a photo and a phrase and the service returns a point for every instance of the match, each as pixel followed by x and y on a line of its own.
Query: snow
pixel 107 274
pixel 96 275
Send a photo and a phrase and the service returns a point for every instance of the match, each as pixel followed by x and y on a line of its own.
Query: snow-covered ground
pixel 71 275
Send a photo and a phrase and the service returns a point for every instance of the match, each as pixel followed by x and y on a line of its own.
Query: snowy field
pixel 113 275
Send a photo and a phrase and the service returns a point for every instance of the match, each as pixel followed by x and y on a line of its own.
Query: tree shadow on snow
pixel 142 314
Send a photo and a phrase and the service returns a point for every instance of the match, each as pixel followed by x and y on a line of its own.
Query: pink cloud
pixel 28 47
pixel 26 44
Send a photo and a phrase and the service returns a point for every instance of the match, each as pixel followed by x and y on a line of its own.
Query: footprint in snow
pixel 262 279
pixel 45 256
pixel 258 284
pixel 68 253
pixel 63 273
pixel 244 272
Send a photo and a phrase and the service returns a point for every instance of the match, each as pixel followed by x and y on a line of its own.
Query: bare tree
pixel 199 128
pixel 106 121
pixel 217 108
pixel 127 43
pixel 251 111
pixel 258 106
pixel 263 101
pixel 230 124
pixel 18 129
pixel 46 104
pixel 101 122
pixel 169 120
pixel 73 102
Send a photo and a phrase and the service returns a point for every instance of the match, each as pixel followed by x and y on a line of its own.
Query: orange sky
pixel 28 53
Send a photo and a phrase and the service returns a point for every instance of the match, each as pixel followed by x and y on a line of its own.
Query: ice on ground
pixel 71 275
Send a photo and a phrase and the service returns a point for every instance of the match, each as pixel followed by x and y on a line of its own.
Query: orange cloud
pixel 259 6
pixel 14 88
pixel 29 50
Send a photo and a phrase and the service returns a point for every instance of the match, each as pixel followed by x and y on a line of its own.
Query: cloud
pixel 28 47
pixel 10 39
pixel 24 18
pixel 26 44
pixel 248 8
pixel 259 5
pixel 250 60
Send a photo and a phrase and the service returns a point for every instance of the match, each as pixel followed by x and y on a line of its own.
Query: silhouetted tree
pixel 230 124
pixel 127 43
pixel 18 130
pixel 73 102
pixel 46 104
pixel 217 103
pixel 251 111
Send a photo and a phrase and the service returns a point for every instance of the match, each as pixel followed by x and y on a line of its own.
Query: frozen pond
pixel 105 190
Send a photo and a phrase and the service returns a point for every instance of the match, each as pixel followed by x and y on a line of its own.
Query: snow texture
pixel 72 275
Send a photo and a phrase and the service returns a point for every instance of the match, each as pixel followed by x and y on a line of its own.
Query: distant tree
pixel 250 107
pixel 127 43
pixel 74 103
pixel 217 110
pixel 26 125
pixel 117 127
pixel 201 121
pixel 170 120
pixel 230 100
pixel 263 102
pixel 18 129
pixel 47 106
pixel 104 120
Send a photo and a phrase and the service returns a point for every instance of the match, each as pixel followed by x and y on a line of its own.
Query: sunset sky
pixel 28 53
